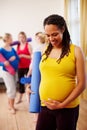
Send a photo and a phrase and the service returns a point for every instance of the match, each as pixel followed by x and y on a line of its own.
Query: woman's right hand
pixel 28 90
pixel 6 63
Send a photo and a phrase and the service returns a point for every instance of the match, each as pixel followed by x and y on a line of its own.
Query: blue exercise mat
pixel 34 106
pixel 25 80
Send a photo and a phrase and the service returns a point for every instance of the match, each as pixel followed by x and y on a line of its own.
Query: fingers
pixel 50 102
pixel 29 91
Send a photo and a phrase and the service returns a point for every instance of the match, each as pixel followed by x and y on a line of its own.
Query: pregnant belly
pixel 56 92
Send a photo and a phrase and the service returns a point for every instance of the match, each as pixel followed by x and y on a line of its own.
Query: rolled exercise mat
pixel 9 68
pixel 17 42
pixel 34 106
pixel 25 80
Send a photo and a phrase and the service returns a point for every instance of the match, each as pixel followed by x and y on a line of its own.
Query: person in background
pixel 24 50
pixel 41 42
pixel 63 78
pixel 11 59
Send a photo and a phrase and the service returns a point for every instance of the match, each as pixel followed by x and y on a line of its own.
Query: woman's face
pixel 54 35
pixel 8 40
pixel 21 38
pixel 37 39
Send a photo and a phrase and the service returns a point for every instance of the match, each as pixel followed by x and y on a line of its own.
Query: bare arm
pixel 81 83
pixel 30 49
pixel 81 77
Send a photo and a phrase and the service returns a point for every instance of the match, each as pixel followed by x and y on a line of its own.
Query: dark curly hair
pixel 60 23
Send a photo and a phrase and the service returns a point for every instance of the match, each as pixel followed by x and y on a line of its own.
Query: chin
pixel 54 45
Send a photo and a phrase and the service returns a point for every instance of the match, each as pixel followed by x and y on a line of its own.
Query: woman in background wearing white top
pixel 42 42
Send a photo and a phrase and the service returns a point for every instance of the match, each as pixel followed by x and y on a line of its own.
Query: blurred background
pixel 28 16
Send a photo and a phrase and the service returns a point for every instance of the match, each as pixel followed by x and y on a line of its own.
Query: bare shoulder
pixel 78 52
pixel 30 47
pixel 78 49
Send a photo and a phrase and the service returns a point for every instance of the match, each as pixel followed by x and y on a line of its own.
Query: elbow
pixel 84 85
pixel 85 82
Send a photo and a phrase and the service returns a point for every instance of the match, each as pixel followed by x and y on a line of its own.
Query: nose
pixel 51 38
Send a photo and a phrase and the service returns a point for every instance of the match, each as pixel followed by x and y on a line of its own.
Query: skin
pixel 7 46
pixel 22 40
pixel 55 36
pixel 8 41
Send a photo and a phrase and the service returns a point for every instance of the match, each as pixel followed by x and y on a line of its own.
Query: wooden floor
pixel 82 121
pixel 23 120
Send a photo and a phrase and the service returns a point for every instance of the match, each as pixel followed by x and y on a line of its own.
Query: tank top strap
pixel 72 51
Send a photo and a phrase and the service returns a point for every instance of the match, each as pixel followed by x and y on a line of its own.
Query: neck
pixel 22 43
pixel 7 46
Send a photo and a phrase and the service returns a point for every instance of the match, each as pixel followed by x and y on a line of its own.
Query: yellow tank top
pixel 58 80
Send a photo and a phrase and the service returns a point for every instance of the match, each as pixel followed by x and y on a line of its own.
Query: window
pixel 74 21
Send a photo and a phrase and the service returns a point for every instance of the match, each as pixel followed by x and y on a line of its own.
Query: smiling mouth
pixel 53 42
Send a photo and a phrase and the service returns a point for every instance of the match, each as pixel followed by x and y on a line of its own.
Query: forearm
pixel 24 56
pixel 27 56
pixel 29 72
pixel 73 95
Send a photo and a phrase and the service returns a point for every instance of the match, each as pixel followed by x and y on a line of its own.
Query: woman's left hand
pixel 53 104
pixel 22 55
pixel 12 58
